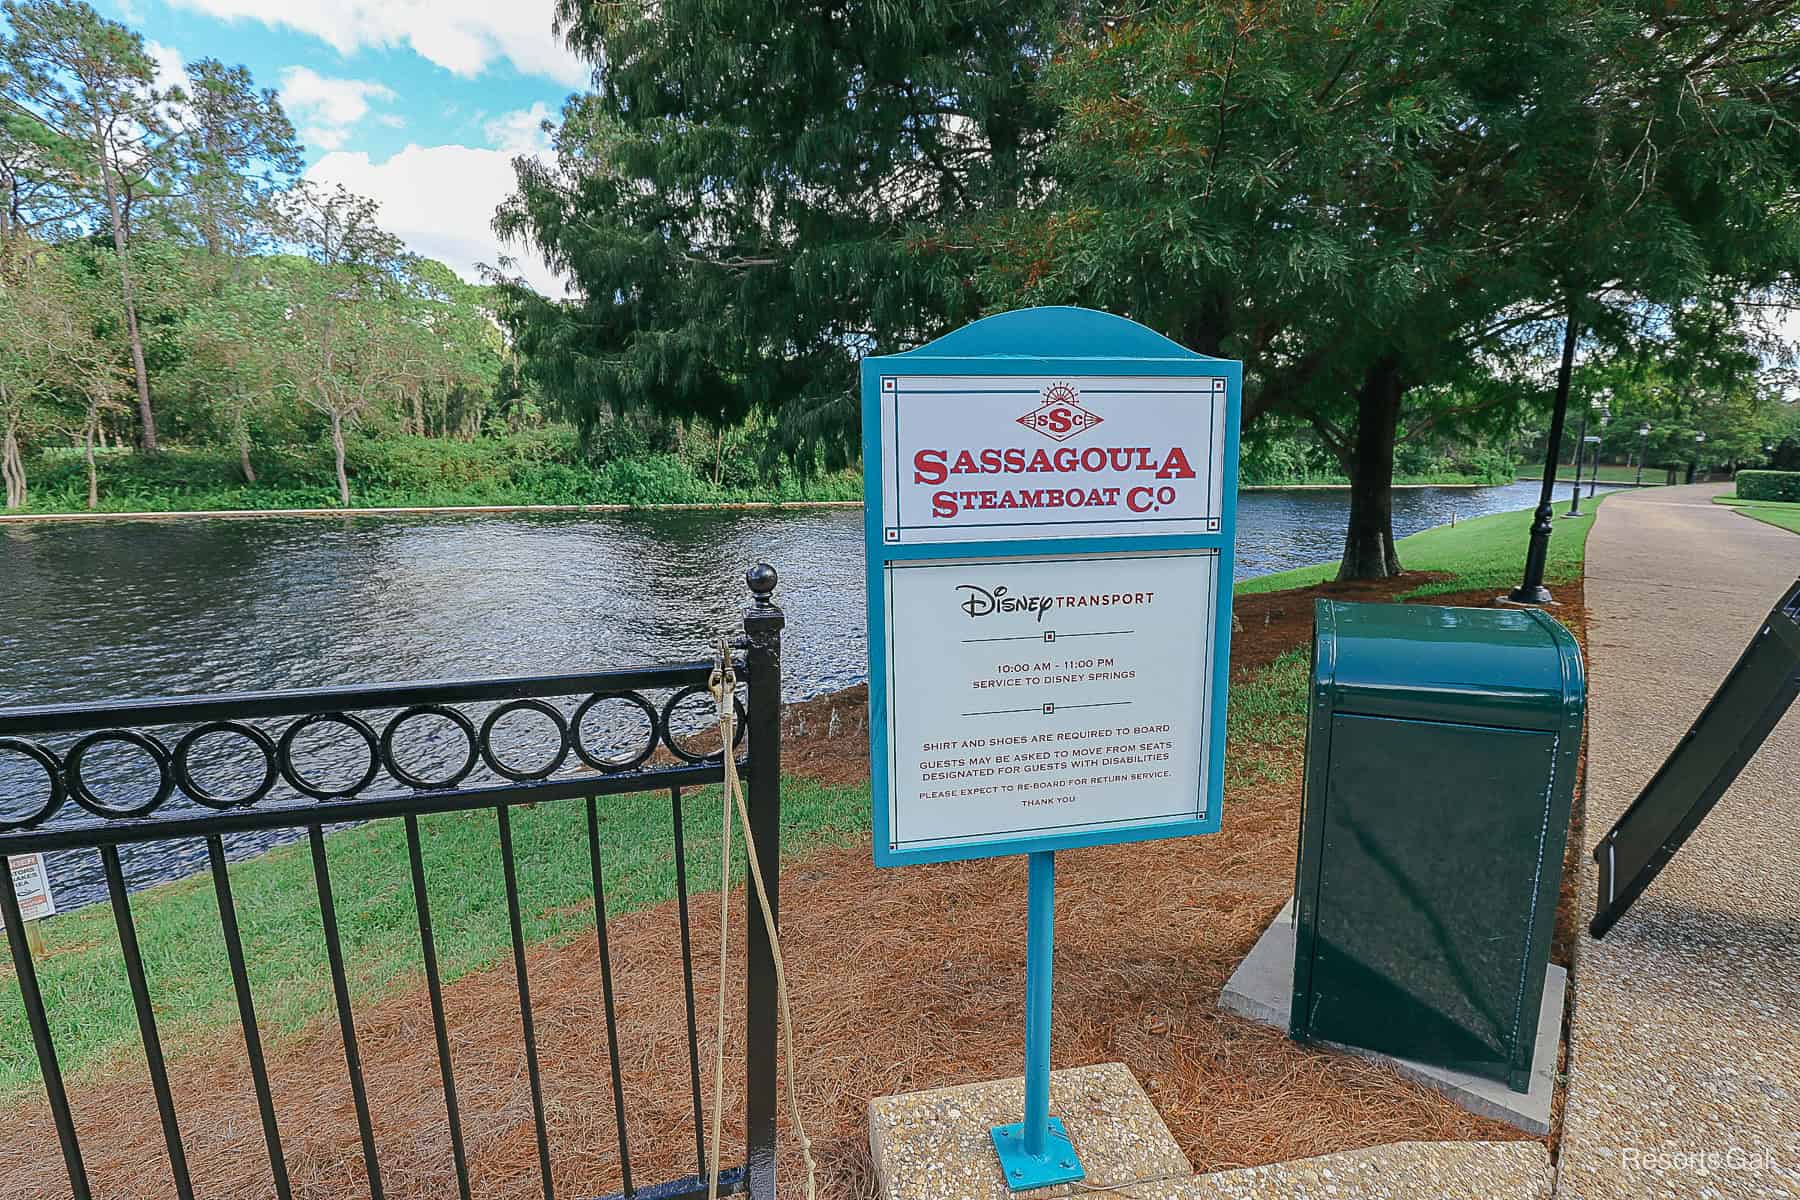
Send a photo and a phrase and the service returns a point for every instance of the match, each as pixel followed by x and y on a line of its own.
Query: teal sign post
pixel 1050 501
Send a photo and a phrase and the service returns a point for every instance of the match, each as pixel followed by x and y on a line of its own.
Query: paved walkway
pixel 1685 1052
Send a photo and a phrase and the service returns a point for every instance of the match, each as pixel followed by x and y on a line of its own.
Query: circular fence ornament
pixel 616 762
pixel 519 775
pixel 300 783
pixel 53 775
pixel 419 782
pixel 84 795
pixel 709 724
pixel 192 787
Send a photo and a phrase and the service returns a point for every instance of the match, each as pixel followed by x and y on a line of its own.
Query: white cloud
pixel 520 131
pixel 325 109
pixel 441 201
pixel 171 68
pixel 462 36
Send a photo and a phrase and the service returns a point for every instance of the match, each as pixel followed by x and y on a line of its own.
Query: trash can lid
pixel 1509 667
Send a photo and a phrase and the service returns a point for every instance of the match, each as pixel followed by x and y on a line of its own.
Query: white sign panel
pixel 1007 457
pixel 1047 695
pixel 31 880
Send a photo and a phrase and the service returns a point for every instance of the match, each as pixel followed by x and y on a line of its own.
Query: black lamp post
pixel 1580 446
pixel 1531 589
pixel 1643 449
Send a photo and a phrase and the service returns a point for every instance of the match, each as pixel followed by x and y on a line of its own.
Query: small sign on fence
pixel 31 879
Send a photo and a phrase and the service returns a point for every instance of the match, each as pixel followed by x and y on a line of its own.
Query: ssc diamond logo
pixel 1061 416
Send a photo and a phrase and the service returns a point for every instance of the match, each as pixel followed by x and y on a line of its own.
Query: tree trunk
pixel 337 446
pixel 12 466
pixel 1369 535
pixel 243 446
pixel 146 417
pixel 719 460
pixel 93 472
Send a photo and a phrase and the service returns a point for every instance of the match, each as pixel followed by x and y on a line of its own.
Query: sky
pixel 419 104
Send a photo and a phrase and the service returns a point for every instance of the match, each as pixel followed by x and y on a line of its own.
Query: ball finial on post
pixel 761 580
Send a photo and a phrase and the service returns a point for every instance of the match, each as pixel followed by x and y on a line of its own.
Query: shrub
pixel 655 479
pixel 1489 464
pixel 536 466
pixel 1768 485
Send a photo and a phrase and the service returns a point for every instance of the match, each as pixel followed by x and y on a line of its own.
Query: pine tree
pixel 750 198
pixel 85 86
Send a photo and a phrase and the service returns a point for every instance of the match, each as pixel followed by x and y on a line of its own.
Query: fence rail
pixel 655 743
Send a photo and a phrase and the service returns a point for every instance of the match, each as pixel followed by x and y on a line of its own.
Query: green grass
pixel 1266 711
pixel 177 923
pixel 1783 514
pixel 1487 552
pixel 1269 707
pixel 1609 473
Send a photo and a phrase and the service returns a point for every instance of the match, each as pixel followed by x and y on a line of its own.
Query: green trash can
pixel 1440 762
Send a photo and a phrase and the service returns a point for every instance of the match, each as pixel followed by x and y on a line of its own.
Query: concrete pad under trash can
pixel 1262 990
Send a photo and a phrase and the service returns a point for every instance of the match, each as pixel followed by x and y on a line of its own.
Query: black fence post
pixel 762 642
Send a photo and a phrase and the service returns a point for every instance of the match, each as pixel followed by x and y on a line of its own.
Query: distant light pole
pixel 1594 471
pixel 1643 449
pixel 1581 441
pixel 1694 462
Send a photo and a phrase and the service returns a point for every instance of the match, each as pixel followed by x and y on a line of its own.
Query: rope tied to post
pixel 723 685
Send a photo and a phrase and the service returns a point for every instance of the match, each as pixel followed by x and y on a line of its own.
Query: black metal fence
pixel 671 707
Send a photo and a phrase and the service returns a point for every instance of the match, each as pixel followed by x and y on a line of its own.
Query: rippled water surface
pixel 110 610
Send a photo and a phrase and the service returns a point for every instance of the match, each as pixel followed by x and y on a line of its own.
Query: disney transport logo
pixel 985 602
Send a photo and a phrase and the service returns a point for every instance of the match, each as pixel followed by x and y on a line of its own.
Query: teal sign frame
pixel 1067 344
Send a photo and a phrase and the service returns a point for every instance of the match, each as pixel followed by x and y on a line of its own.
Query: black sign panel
pixel 1730 729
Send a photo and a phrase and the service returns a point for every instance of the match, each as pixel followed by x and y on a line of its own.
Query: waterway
pixel 114 609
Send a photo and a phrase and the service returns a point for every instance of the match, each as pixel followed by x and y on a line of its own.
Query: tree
pixel 1365 200
pixel 237 150
pixel 85 85
pixel 737 211
pixel 37 200
pixel 1698 384
pixel 336 303
pixel 444 342
pixel 55 374
pixel 234 338
pixel 1310 188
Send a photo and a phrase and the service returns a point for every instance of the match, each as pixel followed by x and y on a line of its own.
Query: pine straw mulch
pixel 904 979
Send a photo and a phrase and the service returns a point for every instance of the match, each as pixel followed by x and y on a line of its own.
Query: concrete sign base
pixel 935 1145
pixel 1262 990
